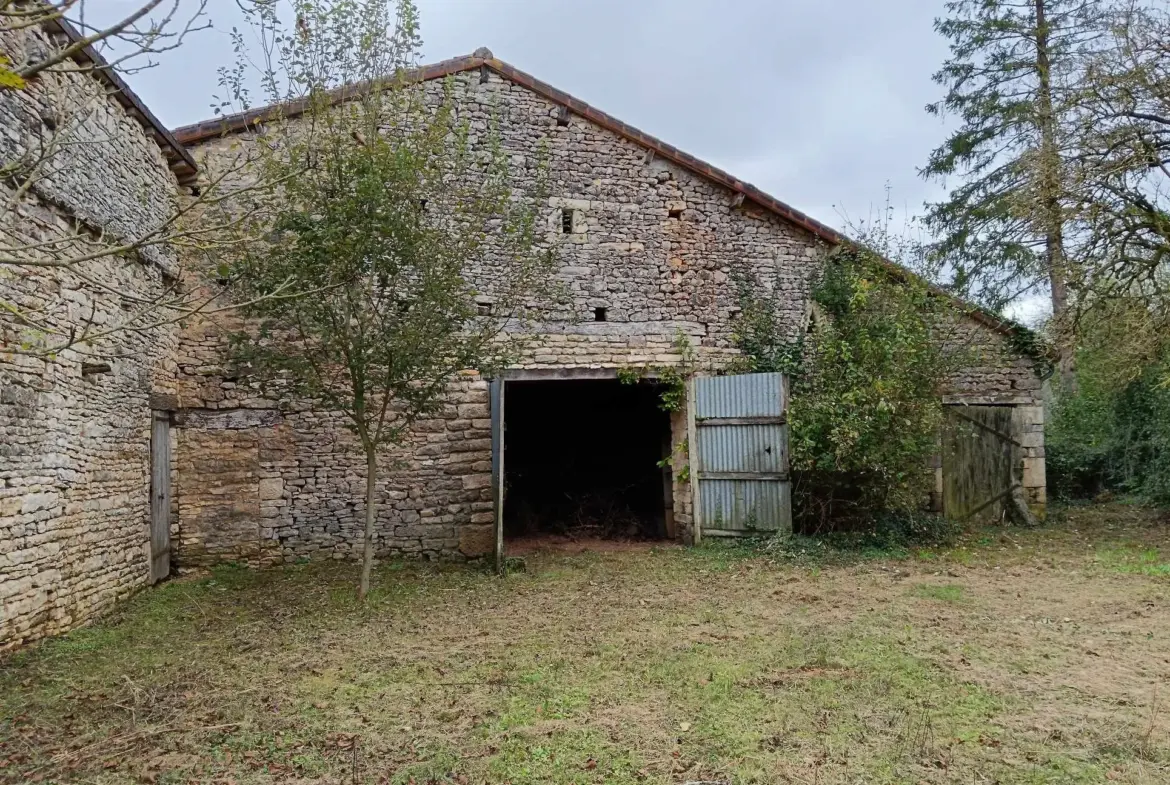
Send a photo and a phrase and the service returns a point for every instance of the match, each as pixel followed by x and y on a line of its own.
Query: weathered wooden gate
pixel 160 496
pixel 739 455
pixel 981 459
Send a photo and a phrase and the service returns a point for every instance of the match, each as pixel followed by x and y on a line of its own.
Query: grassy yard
pixel 1014 657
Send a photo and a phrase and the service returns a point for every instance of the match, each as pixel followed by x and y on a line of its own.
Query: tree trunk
pixel 1050 212
pixel 368 546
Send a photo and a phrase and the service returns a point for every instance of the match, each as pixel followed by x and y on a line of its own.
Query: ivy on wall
pixel 671 379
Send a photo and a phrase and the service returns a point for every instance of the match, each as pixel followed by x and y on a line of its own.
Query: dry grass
pixel 1018 657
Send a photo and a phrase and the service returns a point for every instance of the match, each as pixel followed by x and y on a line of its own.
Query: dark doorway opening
pixel 582 459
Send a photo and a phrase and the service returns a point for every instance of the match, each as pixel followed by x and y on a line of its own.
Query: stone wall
pixel 654 244
pixel 265 481
pixel 74 437
pixel 992 372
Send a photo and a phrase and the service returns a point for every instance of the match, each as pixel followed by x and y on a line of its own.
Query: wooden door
pixel 160 496
pixel 739 455
pixel 981 457
pixel 496 395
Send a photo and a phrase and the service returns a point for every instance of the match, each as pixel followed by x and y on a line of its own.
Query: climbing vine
pixel 759 333
pixel 672 379
pixel 1032 345
pixel 672 396
pixel 683 449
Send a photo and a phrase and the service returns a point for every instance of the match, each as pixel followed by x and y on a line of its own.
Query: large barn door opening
pixel 583 463
pixel 981 460
pixel 160 496
pixel 739 455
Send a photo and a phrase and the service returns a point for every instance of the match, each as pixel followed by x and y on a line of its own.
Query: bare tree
pixel 128 42
pixel 64 211
pixel 1124 163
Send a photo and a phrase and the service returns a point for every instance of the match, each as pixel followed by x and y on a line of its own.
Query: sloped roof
pixel 483 58
pixel 178 158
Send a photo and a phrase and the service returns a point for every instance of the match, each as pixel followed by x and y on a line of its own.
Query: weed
pixel 1134 559
pixel 940 593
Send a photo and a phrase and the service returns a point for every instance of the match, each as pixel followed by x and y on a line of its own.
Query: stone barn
pixel 168 440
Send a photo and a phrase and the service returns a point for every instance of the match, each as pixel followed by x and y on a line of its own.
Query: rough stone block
pixel 271 489
pixel 477 540
pixel 475 481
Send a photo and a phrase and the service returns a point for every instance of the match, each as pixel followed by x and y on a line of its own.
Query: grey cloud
pixel 818 103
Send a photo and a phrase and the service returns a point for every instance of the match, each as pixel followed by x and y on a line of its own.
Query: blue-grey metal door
pixel 739 452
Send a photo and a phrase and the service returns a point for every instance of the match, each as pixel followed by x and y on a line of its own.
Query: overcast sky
pixel 818 102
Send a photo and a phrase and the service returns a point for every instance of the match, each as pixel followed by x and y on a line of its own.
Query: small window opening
pixel 599 314
pixel 563 117
pixel 566 221
pixel 422 204
pixel 676 214
pixel 484 309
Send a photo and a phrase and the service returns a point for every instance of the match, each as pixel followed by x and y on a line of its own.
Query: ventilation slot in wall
pixel 566 221
pixel 563 117
pixel 599 314
pixel 676 213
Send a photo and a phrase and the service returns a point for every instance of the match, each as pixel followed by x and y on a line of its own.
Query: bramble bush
pixel 1114 433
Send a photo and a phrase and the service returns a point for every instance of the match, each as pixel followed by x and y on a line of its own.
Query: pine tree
pixel 1013 81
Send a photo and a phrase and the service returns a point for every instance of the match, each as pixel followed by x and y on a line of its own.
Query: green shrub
pixel 865 409
pixel 1113 435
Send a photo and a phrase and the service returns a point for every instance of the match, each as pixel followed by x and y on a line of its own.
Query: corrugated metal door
pixel 160 496
pixel 739 455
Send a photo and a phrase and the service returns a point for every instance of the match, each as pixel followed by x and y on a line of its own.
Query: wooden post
pixel 160 496
pixel 693 465
pixel 496 396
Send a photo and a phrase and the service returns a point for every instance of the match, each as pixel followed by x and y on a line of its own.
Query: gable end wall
pixel 297 481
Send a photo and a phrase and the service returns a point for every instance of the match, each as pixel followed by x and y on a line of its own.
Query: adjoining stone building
pixel 647 239
pixel 75 428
